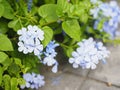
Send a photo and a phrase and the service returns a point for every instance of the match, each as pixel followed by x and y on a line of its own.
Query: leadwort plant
pixel 31 30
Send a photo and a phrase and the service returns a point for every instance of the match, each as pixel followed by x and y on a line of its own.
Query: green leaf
pixel 12 24
pixel 3 26
pixel 18 61
pixel 68 51
pixel 7 63
pixel 8 11
pixel 72 28
pixel 14 84
pixel 42 22
pixel 49 1
pixel 1 72
pixel 5 43
pixel 13 69
pixel 100 24
pixel 1 10
pixel 6 79
pixel 21 81
pixel 48 34
pixel 64 4
pixel 3 57
pixel 84 18
pixel 15 24
pixel 48 12
pixel 30 61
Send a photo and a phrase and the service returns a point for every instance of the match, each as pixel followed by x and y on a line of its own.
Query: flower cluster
pixel 33 81
pixel 88 54
pixel 50 55
pixel 110 11
pixel 30 40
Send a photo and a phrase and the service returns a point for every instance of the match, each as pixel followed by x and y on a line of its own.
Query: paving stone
pixel 78 71
pixel 62 81
pixel 95 85
pixel 109 72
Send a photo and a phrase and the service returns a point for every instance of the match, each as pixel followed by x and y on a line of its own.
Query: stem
pixel 64 45
pixel 20 22
pixel 48 23
pixel 52 22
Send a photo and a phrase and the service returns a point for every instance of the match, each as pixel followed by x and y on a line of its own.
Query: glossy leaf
pixel 3 57
pixel 48 34
pixel 72 28
pixel 1 10
pixel 3 27
pixel 14 84
pixel 8 11
pixel 48 12
pixel 5 43
pixel 6 79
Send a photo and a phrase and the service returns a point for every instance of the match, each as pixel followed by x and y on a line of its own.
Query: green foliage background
pixel 70 20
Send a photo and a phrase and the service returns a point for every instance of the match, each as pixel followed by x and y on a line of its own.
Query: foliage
pixel 69 19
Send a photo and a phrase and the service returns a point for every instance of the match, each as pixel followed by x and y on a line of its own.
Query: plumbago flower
pixel 88 54
pixel 30 40
pixel 50 55
pixel 33 81
pixel 95 1
pixel 29 4
pixel 112 12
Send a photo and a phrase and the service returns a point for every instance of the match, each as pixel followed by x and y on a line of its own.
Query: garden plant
pixel 31 30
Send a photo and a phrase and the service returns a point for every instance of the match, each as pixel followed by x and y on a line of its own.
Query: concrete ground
pixel 105 77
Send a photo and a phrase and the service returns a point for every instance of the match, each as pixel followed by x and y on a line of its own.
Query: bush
pixel 30 30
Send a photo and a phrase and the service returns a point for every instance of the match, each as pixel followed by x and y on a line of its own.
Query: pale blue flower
pixel 49 60
pixel 94 12
pixel 29 4
pixel 50 55
pixel 30 40
pixel 95 1
pixel 50 49
pixel 33 81
pixel 111 12
pixel 55 67
pixel 88 54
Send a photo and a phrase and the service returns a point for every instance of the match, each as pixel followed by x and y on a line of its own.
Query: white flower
pixel 88 54
pixel 30 40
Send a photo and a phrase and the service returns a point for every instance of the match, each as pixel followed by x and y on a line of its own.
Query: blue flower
pixel 30 40
pixel 110 11
pixel 29 4
pixel 88 54
pixel 95 1
pixel 17 0
pixel 50 49
pixel 50 55
pixel 49 60
pixel 33 81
